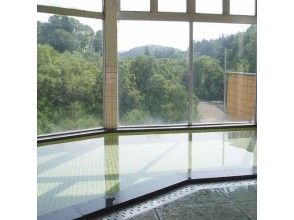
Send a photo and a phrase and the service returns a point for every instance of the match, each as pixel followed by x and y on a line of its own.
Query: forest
pixel 153 79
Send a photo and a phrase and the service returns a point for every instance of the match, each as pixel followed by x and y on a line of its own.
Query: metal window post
pixel 190 11
pixel 226 7
pixel 190 120
pixel 225 87
pixel 153 5
pixel 191 6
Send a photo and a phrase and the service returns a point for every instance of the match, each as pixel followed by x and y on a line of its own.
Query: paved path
pixel 210 112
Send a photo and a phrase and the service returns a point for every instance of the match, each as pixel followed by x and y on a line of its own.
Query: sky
pixel 174 34
pixel 91 5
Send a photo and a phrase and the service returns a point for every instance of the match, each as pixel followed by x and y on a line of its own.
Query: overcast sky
pixel 174 34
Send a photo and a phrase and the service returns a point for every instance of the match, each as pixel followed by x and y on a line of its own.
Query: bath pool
pixel 109 165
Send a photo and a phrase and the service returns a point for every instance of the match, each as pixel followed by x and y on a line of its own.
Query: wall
pixel 241 96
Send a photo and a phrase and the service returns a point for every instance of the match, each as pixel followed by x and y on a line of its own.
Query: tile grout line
pixel 188 189
pixel 157 214
pixel 232 201
pixel 240 209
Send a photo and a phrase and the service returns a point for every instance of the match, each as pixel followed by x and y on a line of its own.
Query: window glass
pixel 152 72
pixel 89 5
pixel 135 5
pixel 242 7
pixel 70 73
pixel 209 6
pixel 224 69
pixel 172 5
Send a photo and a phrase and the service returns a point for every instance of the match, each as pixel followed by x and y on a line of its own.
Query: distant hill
pixel 153 50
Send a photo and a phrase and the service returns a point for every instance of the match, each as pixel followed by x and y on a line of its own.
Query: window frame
pixel 54 10
pixel 153 14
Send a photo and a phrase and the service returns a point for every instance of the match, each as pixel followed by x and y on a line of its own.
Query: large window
pixel 153 72
pixel 224 69
pixel 70 73
pixel 159 81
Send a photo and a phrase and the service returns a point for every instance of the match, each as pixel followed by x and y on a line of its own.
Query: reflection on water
pixel 78 171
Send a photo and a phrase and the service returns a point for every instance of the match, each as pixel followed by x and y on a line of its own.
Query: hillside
pixel 154 50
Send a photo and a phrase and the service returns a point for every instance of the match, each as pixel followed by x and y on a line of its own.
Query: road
pixel 210 111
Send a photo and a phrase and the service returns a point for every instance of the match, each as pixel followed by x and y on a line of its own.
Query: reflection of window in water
pixel 240 134
pixel 242 139
pixel 111 163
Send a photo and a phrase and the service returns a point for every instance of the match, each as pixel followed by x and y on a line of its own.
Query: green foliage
pixel 209 78
pixel 153 91
pixel 242 65
pixel 65 23
pixel 130 95
pixel 154 50
pixel 66 33
pixel 241 50
pixel 62 40
pixel 147 53
pixel 136 117
pixel 69 91
pixel 98 46
pixel 70 75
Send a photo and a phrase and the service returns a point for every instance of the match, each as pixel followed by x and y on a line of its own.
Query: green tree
pixel 209 79
pixel 153 90
pixel 69 91
pixel 98 42
pixel 147 53
pixel 62 40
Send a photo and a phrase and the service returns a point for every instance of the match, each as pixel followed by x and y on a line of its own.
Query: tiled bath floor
pixel 235 200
